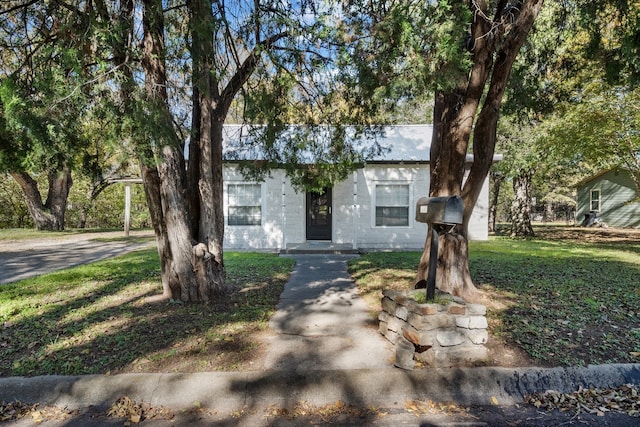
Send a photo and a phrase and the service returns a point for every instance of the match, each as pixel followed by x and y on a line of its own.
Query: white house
pixel 374 208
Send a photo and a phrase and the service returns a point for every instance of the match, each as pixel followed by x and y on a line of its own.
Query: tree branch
pixel 17 7
pixel 247 68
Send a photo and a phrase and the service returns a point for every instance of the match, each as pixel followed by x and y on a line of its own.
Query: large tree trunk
pixel 454 117
pixel 186 203
pixel 165 183
pixel 50 214
pixel 521 206
pixel 205 169
pixel 549 213
pixel 151 183
pixel 210 185
pixel 192 265
pixel 452 268
pixel 451 132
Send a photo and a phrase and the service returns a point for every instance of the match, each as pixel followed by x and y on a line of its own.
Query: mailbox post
pixel 442 214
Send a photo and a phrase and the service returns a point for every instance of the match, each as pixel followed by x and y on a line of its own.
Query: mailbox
pixel 440 210
pixel 437 211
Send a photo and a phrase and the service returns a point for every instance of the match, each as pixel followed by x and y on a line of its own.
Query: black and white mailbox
pixel 442 214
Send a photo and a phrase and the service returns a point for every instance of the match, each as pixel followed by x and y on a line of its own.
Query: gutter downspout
pixel 355 210
pixel 284 214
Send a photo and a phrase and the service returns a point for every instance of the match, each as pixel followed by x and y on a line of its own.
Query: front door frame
pixel 321 213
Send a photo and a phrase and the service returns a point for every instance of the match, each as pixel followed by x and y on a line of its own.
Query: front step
pixel 320 247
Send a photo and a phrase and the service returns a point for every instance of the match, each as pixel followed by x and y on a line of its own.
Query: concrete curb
pixel 228 391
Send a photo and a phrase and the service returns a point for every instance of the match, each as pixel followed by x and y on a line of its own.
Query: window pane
pixel 392 195
pixel 595 200
pixel 245 204
pixel 244 195
pixel 392 216
pixel 392 205
pixel 246 215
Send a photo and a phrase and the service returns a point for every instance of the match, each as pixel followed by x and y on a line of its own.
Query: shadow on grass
pixel 319 392
pixel 562 302
pixel 111 319
pixel 571 308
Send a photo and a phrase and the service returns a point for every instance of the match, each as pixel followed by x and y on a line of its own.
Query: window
pixel 245 204
pixel 595 200
pixel 392 205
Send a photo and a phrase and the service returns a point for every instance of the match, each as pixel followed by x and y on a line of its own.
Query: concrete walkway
pixel 322 323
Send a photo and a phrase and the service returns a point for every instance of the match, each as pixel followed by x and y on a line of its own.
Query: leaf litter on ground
pixel 11 411
pixel 599 401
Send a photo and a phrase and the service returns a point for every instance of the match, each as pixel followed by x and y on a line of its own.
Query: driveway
pixel 28 258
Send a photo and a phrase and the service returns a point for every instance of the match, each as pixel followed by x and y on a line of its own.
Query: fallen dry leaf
pixel 624 399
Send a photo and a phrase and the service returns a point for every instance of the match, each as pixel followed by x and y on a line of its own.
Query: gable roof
pixel 403 143
pixel 598 175
pixel 399 143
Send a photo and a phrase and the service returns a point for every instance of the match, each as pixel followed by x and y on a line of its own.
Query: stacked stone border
pixel 445 333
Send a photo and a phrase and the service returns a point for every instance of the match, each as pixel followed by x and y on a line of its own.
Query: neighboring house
pixel 374 208
pixel 613 196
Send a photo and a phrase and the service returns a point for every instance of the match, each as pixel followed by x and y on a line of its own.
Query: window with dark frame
pixel 244 204
pixel 392 205
pixel 595 200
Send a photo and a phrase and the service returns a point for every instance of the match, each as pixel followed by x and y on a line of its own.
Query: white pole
pixel 127 208
pixel 355 210
pixel 284 213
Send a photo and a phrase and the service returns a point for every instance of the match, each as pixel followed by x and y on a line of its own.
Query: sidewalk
pixel 326 350
pixel 322 323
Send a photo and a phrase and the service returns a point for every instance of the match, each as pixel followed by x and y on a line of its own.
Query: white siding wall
pixel 342 217
pixel 479 221
pixel 267 236
pixel 283 211
pixel 294 214
pixel 377 237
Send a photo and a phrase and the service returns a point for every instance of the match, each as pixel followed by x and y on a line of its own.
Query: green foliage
pixel 313 156
pixel 372 64
pixel 550 66
pixel 106 210
pixel 40 110
pixel 551 72
pixel 601 130
pixel 13 210
pixel 613 27
pixel 400 52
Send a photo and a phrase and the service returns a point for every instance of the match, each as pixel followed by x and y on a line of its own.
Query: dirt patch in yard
pixel 589 234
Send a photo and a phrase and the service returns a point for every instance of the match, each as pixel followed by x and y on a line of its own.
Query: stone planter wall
pixel 441 335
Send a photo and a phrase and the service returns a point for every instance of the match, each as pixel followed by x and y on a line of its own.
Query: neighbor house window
pixel 392 205
pixel 245 204
pixel 595 200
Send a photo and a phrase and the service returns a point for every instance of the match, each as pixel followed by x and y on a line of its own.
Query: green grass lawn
pixel 32 233
pixel 107 317
pixel 561 301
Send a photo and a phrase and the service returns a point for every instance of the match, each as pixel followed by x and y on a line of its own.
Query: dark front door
pixel 319 215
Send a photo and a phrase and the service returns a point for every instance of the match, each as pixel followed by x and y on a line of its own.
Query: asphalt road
pixel 28 258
